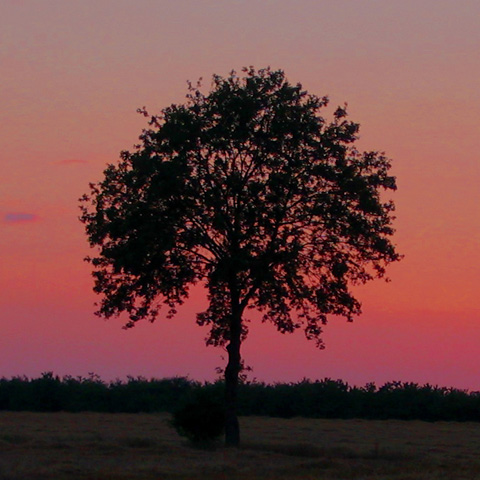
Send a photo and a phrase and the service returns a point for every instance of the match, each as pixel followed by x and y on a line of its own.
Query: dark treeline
pixel 317 399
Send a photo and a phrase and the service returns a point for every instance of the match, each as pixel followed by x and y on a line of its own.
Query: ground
pixel 95 446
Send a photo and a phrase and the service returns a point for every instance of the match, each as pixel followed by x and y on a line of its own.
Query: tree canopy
pixel 250 192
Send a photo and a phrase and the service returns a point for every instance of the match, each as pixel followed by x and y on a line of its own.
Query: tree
pixel 248 191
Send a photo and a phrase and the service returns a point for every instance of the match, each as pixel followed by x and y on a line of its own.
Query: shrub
pixel 201 419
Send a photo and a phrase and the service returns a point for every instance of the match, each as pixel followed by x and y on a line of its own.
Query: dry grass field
pixel 95 446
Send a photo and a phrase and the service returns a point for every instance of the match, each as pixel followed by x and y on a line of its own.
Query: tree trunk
pixel 232 429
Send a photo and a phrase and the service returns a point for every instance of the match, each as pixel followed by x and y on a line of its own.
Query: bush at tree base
pixel 201 419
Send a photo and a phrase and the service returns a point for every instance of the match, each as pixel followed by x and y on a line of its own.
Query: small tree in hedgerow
pixel 250 192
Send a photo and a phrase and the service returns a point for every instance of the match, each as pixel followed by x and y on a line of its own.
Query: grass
pixel 94 446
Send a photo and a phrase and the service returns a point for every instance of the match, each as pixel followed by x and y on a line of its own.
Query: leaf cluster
pixel 248 190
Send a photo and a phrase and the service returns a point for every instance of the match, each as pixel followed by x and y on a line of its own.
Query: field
pixel 95 446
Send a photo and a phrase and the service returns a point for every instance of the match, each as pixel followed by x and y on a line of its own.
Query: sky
pixel 72 75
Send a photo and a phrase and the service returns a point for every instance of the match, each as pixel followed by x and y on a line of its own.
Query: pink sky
pixel 72 76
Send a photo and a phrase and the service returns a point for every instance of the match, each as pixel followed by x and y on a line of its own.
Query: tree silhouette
pixel 248 191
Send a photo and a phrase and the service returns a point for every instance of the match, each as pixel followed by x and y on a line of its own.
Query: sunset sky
pixel 72 75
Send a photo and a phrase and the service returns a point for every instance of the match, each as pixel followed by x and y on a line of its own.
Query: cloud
pixel 18 217
pixel 70 161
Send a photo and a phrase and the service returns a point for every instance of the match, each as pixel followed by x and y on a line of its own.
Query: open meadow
pixel 98 446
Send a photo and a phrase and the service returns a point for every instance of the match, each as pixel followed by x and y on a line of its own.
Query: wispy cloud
pixel 19 217
pixel 70 161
